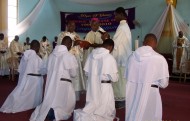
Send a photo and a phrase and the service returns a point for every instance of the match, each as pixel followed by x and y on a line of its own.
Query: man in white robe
pixel 45 48
pixel 146 72
pixel 121 52
pixel 59 91
pixel 180 51
pixel 4 68
pixel 16 48
pixel 28 92
pixel 101 69
pixel 93 37
pixel 26 44
pixel 79 83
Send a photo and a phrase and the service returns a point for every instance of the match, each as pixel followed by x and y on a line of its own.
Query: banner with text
pixel 107 21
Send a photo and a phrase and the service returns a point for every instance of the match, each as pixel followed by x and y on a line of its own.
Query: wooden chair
pixel 185 69
pixel 13 63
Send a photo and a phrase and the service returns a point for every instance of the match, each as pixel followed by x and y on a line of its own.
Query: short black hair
pixel 121 10
pixel 69 19
pixel 44 37
pixel 35 44
pixel 66 40
pixel 16 36
pixel 28 38
pixel 108 42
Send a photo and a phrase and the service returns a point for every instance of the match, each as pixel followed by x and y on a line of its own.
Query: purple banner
pixel 107 21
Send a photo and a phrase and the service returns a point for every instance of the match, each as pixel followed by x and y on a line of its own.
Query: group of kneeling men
pixel 145 71
pixel 101 70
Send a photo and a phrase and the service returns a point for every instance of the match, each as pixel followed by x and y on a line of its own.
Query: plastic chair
pixel 13 63
pixel 185 69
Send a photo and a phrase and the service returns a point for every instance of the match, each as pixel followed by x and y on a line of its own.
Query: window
pixel 12 17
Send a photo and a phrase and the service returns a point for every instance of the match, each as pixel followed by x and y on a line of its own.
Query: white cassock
pixel 92 37
pixel 121 52
pixel 45 49
pixel 145 68
pixel 26 47
pixel 59 95
pixel 15 47
pixel 184 48
pixel 4 67
pixel 79 83
pixel 100 103
pixel 28 92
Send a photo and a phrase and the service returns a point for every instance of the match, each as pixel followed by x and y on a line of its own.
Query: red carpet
pixel 176 103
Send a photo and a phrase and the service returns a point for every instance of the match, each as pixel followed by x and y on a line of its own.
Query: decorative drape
pixel 167 27
pixel 28 21
pixel 158 28
pixel 179 24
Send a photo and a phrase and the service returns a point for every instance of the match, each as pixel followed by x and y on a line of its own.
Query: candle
pixel 136 44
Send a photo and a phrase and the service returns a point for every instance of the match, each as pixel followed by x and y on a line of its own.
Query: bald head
pixel 67 41
pixel 35 45
pixel 150 40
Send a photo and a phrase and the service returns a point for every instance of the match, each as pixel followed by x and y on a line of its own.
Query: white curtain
pixel 178 24
pixel 158 28
pixel 28 21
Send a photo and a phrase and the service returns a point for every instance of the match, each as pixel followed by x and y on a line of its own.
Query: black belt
pixel 105 81
pixel 68 80
pixel 155 86
pixel 34 74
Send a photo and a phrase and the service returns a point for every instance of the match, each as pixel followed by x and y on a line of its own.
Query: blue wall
pixel 48 22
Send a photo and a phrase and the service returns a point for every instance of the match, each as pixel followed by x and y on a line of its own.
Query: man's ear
pixel 110 48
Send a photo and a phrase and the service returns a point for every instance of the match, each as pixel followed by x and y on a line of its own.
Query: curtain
pixel 28 21
pixel 179 24
pixel 3 18
pixel 167 27
pixel 158 28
